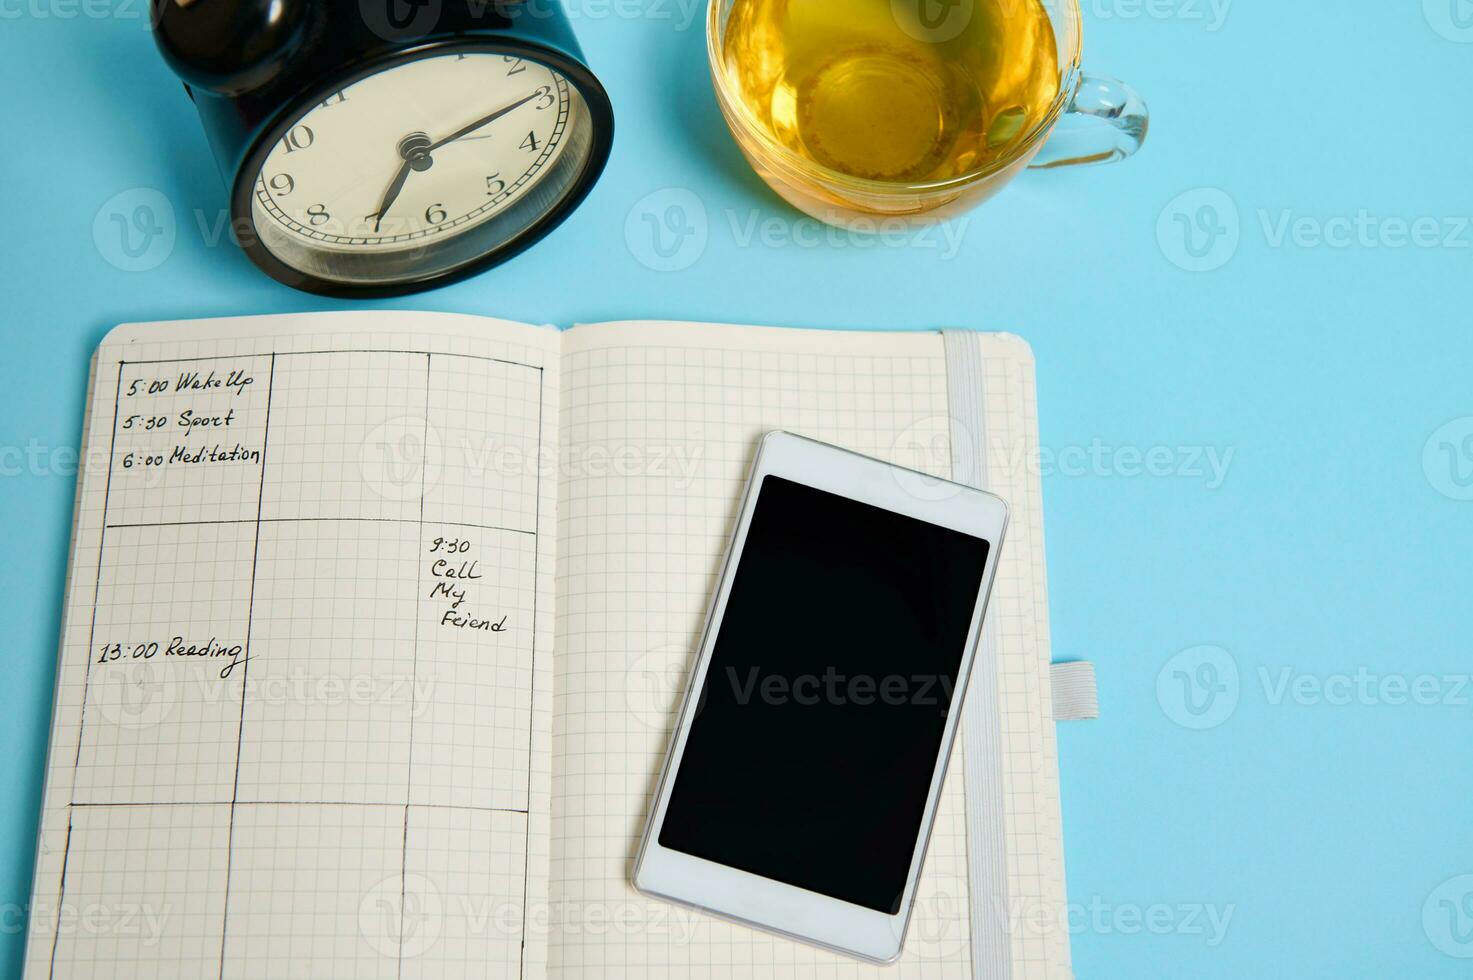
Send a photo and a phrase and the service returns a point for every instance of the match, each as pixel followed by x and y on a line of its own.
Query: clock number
pixel 298 138
pixel 283 184
pixel 517 64
pixel 529 144
pixel 435 214
pixel 317 215
pixel 494 185
pixel 337 98
pixel 544 93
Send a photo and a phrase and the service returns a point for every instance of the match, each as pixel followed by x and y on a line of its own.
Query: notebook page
pixel 303 702
pixel 659 425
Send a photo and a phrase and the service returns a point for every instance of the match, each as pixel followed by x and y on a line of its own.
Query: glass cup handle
pixel 1104 121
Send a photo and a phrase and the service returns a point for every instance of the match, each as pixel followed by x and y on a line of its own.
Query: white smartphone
pixel 806 763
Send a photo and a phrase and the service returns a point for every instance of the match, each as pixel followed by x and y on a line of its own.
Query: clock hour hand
pixel 415 149
pixel 466 130
pixel 395 186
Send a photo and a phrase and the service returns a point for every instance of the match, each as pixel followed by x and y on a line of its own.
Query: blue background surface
pixel 1339 542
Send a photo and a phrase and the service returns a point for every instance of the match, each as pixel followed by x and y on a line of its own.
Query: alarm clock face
pixel 421 169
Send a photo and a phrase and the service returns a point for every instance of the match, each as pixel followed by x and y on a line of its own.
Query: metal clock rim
pixel 578 75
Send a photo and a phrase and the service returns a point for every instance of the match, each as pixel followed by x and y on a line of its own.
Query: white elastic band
pixel 1075 696
pixel 987 855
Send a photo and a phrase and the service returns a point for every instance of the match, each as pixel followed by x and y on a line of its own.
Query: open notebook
pixel 376 623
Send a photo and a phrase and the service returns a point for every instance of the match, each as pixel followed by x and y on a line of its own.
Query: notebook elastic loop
pixel 987 859
pixel 1076 698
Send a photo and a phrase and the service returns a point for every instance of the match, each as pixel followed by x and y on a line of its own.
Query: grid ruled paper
pixel 683 406
pixel 302 725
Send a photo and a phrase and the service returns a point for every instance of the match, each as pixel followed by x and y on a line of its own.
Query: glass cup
pixel 1092 119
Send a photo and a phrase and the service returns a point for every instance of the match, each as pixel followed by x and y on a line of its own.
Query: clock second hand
pixel 417 156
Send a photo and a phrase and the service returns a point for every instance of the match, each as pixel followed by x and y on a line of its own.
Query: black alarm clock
pixel 375 147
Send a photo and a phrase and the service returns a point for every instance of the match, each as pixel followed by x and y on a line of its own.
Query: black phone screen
pixel 819 725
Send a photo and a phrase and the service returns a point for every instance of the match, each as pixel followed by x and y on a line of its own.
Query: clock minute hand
pixel 492 117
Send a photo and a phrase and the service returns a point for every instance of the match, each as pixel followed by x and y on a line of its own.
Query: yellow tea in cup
pixel 893 90
pixel 910 109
